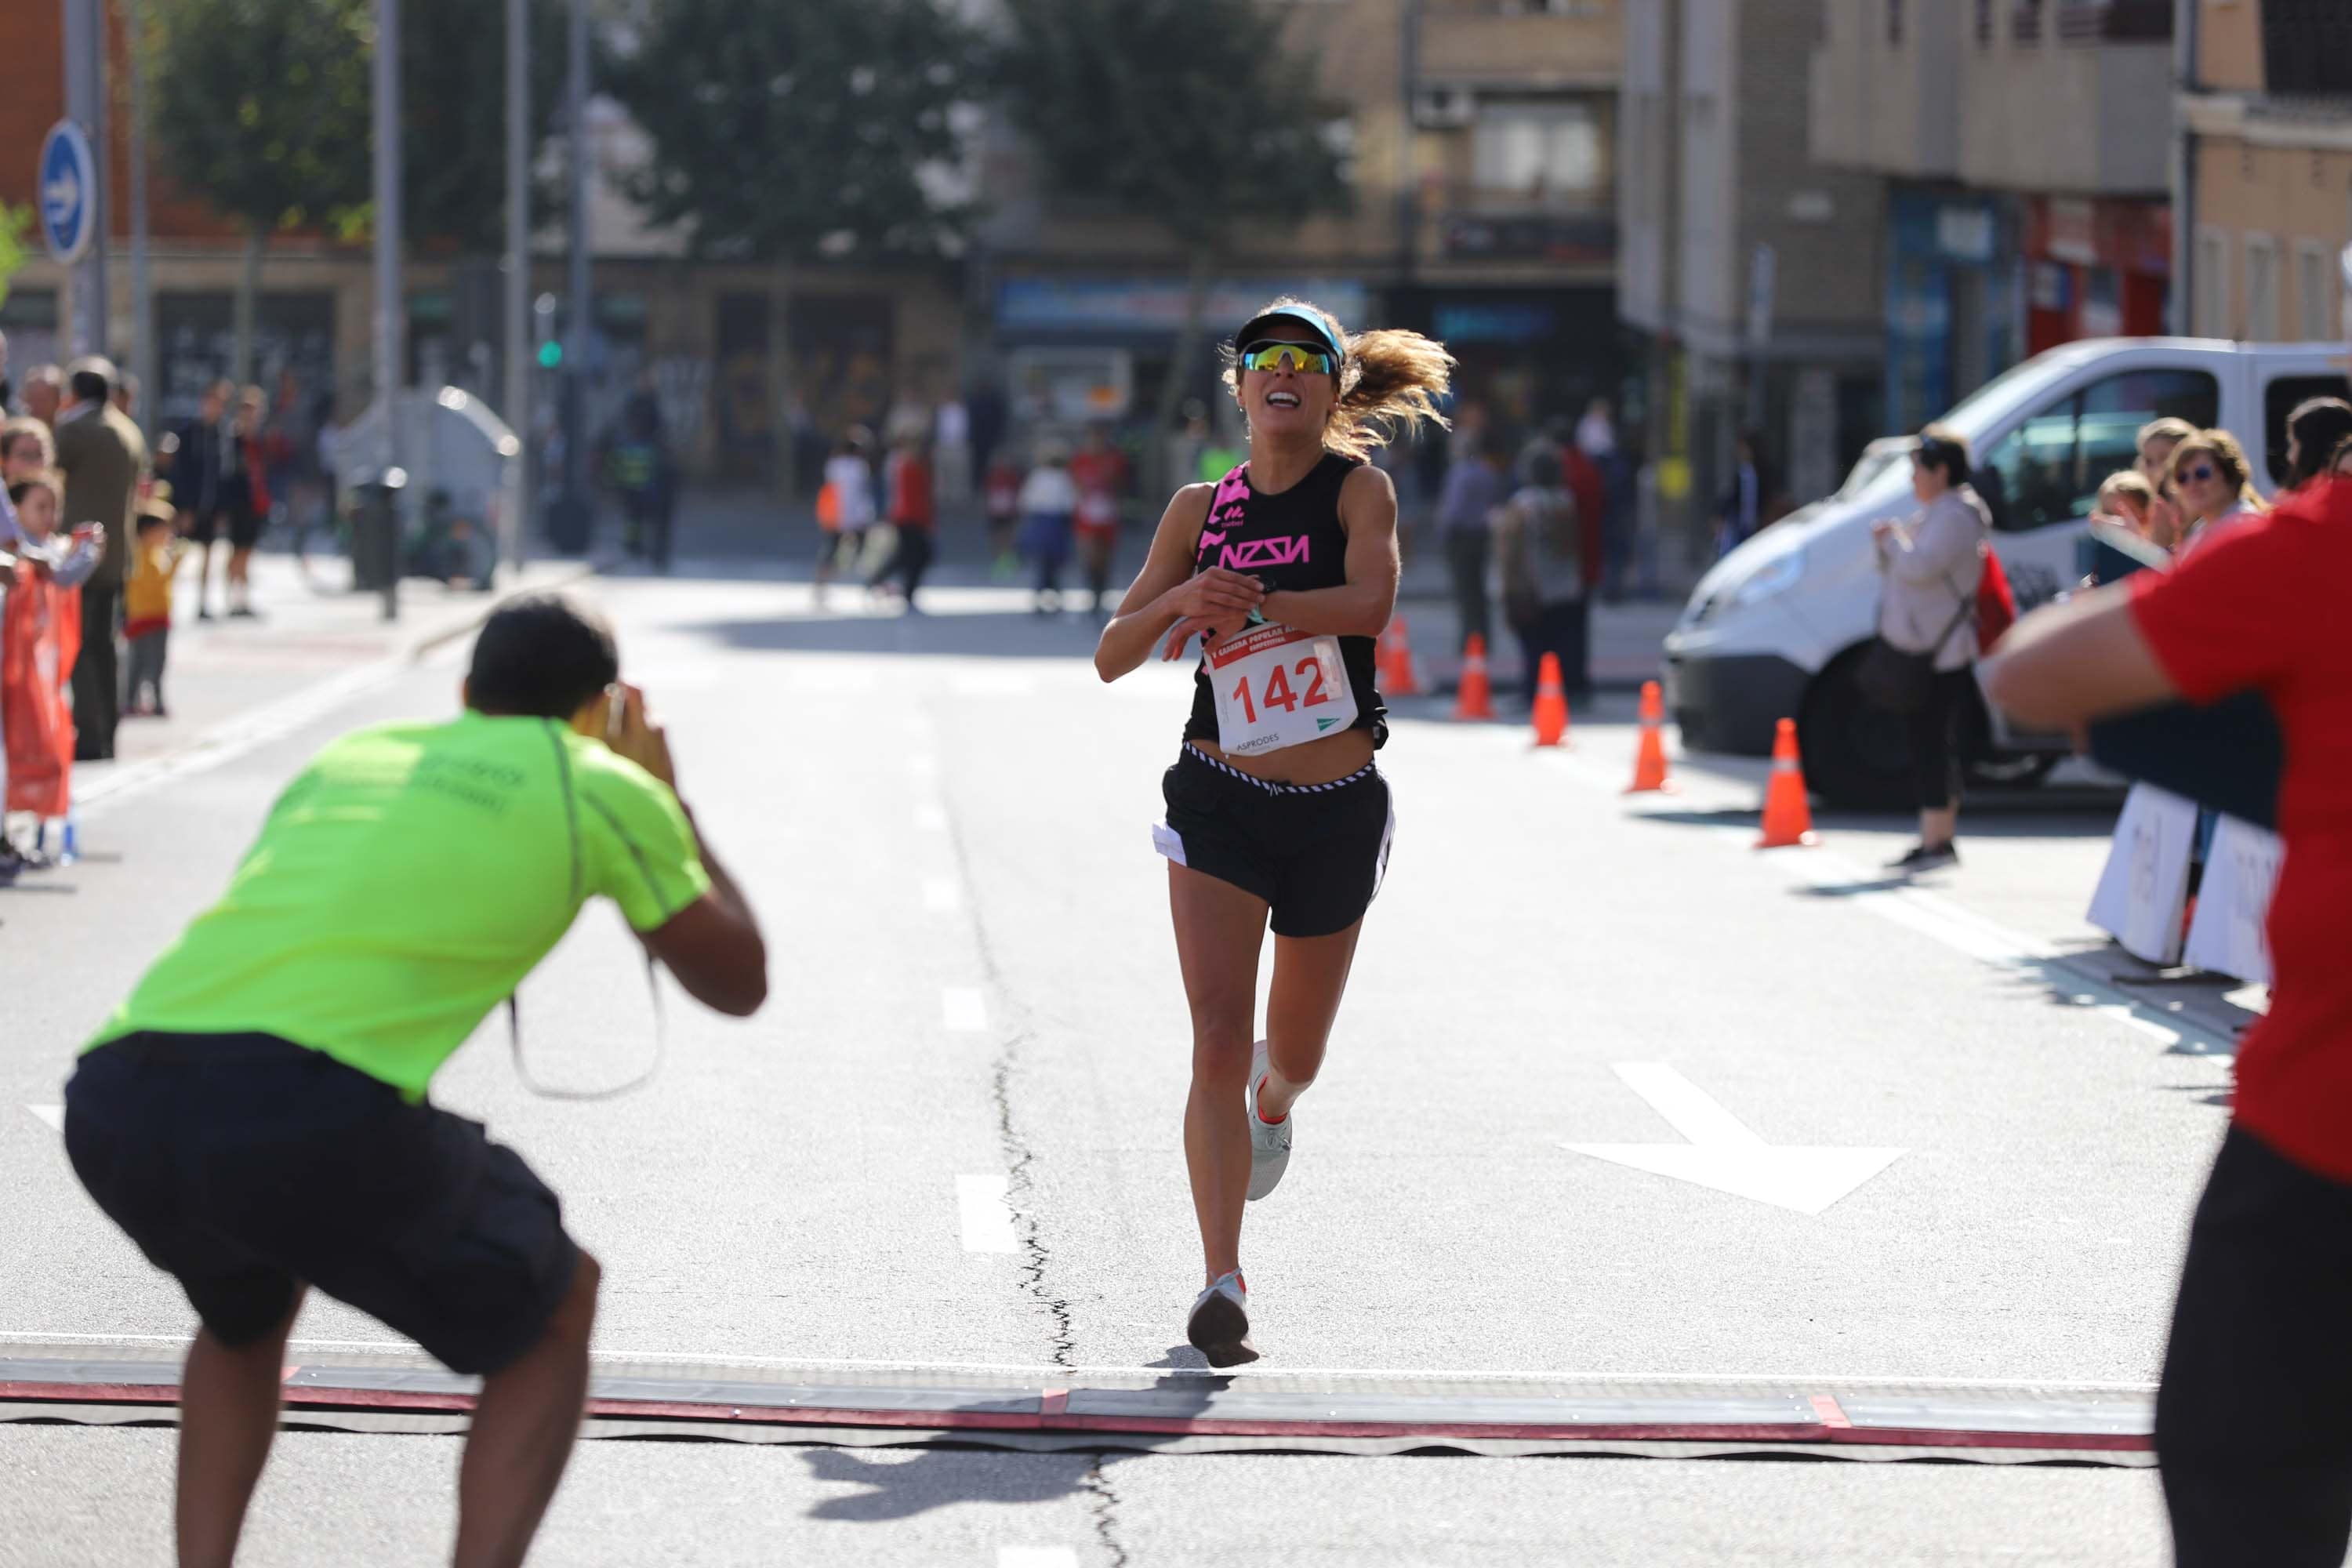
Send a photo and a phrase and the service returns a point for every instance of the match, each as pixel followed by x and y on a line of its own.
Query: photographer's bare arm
pixel 713 945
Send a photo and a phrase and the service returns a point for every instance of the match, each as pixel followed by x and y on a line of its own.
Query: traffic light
pixel 551 354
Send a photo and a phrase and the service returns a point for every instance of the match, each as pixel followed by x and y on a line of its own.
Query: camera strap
pixel 661 1046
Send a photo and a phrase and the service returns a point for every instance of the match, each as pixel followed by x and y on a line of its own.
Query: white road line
pixel 987 1218
pixel 964 1009
pixel 54 1116
pixel 991 683
pixel 1687 1109
pixel 1035 1557
pixel 922 764
pixel 931 819
pixel 1061 1376
pixel 940 895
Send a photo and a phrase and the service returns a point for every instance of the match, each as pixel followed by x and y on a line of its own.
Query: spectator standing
pixel 1466 506
pixel 1583 477
pixel 1049 503
pixel 40 636
pixel 244 498
pixel 1540 545
pixel 1002 495
pixel 1932 563
pixel 2316 427
pixel 2211 476
pixel 952 452
pixel 1741 510
pixel 913 513
pixel 44 391
pixel 2155 443
pixel 1099 471
pixel 198 470
pixel 638 462
pixel 103 458
pixel 851 482
pixel 147 608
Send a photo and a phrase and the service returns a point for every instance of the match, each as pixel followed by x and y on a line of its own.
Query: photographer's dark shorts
pixel 243 1166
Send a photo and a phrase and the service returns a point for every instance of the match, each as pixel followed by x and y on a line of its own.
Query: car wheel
pixel 1856 756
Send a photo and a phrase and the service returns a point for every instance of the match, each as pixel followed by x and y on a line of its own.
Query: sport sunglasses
pixel 1272 355
pixel 2201 472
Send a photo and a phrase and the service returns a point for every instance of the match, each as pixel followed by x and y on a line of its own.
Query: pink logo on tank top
pixel 1254 553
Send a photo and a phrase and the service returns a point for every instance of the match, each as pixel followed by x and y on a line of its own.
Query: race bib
pixel 1275 688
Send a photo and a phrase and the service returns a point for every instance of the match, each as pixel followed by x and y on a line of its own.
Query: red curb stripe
pixel 1828 1410
pixel 1059 1418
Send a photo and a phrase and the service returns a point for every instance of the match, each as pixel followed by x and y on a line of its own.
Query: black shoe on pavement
pixel 1920 858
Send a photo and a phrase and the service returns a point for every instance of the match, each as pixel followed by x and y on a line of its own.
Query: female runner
pixel 1286 570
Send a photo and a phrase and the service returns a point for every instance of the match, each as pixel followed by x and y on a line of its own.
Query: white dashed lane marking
pixel 54 1116
pixel 940 895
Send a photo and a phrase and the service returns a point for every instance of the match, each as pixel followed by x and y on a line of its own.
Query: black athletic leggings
pixel 2254 1423
pixel 1934 728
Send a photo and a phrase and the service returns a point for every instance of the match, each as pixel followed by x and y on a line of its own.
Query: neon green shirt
pixel 407 881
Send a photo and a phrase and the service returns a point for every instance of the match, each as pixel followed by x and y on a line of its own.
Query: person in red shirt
pixel 1100 470
pixel 2253 1422
pixel 913 513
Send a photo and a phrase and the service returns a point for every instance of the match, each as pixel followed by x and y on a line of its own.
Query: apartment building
pixel 2264 172
pixel 2025 147
pixel 1749 273
pixel 1480 143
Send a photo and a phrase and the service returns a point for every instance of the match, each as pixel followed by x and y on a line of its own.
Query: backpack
pixel 1996 606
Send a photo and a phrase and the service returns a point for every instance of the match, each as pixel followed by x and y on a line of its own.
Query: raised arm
pixel 1167 592
pixel 1361 605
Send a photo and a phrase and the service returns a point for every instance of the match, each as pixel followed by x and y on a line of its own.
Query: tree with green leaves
pixel 797 130
pixel 1189 115
pixel 453 107
pixel 13 223
pixel 261 108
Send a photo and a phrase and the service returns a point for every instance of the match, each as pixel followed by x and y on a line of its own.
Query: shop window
pixel 2048 469
pixel 2283 397
pixel 2215 318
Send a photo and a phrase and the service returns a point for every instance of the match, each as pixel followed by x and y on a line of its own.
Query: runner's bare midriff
pixel 1311 762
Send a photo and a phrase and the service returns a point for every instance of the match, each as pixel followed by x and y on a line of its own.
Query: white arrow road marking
pixel 1724 1154
pixel 54 1115
pixel 987 1217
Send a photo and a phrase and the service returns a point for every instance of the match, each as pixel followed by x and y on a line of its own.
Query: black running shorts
pixel 243 1166
pixel 1316 853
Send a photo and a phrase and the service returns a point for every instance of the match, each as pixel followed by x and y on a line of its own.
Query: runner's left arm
pixel 1361 605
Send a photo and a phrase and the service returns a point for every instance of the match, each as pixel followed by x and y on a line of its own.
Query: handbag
pixel 1897 681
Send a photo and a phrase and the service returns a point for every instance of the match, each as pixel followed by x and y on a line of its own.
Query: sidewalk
pixel 310 629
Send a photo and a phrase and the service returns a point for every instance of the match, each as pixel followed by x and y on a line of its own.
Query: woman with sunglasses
pixel 2212 477
pixel 1285 570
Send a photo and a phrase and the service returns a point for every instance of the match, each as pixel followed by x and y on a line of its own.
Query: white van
pixel 1773 630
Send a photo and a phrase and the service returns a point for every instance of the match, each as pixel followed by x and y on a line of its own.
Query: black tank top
pixel 1291 542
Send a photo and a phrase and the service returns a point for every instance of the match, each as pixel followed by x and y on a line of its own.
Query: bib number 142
pixel 1275 688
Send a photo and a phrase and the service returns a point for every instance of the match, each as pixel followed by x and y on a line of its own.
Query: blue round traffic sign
pixel 68 193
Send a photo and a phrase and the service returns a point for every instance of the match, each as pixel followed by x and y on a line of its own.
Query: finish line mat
pixel 1178 1410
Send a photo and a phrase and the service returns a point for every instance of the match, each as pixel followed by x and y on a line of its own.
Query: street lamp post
pixel 388 304
pixel 575 352
pixel 85 38
pixel 518 278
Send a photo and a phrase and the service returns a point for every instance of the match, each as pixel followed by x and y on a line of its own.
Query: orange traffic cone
pixel 1650 761
pixel 1475 700
pixel 1551 703
pixel 1787 818
pixel 1399 676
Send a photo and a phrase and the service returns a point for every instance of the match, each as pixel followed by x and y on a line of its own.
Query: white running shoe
pixel 1219 1325
pixel 1269 1141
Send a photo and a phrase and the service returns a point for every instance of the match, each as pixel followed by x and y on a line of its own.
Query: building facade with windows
pixel 2265 168
pixel 2024 145
pixel 1749 272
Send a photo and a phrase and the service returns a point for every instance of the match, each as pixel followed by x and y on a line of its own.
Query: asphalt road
pixel 944 822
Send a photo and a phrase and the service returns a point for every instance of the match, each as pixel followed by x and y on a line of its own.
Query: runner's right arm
pixel 1167 592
